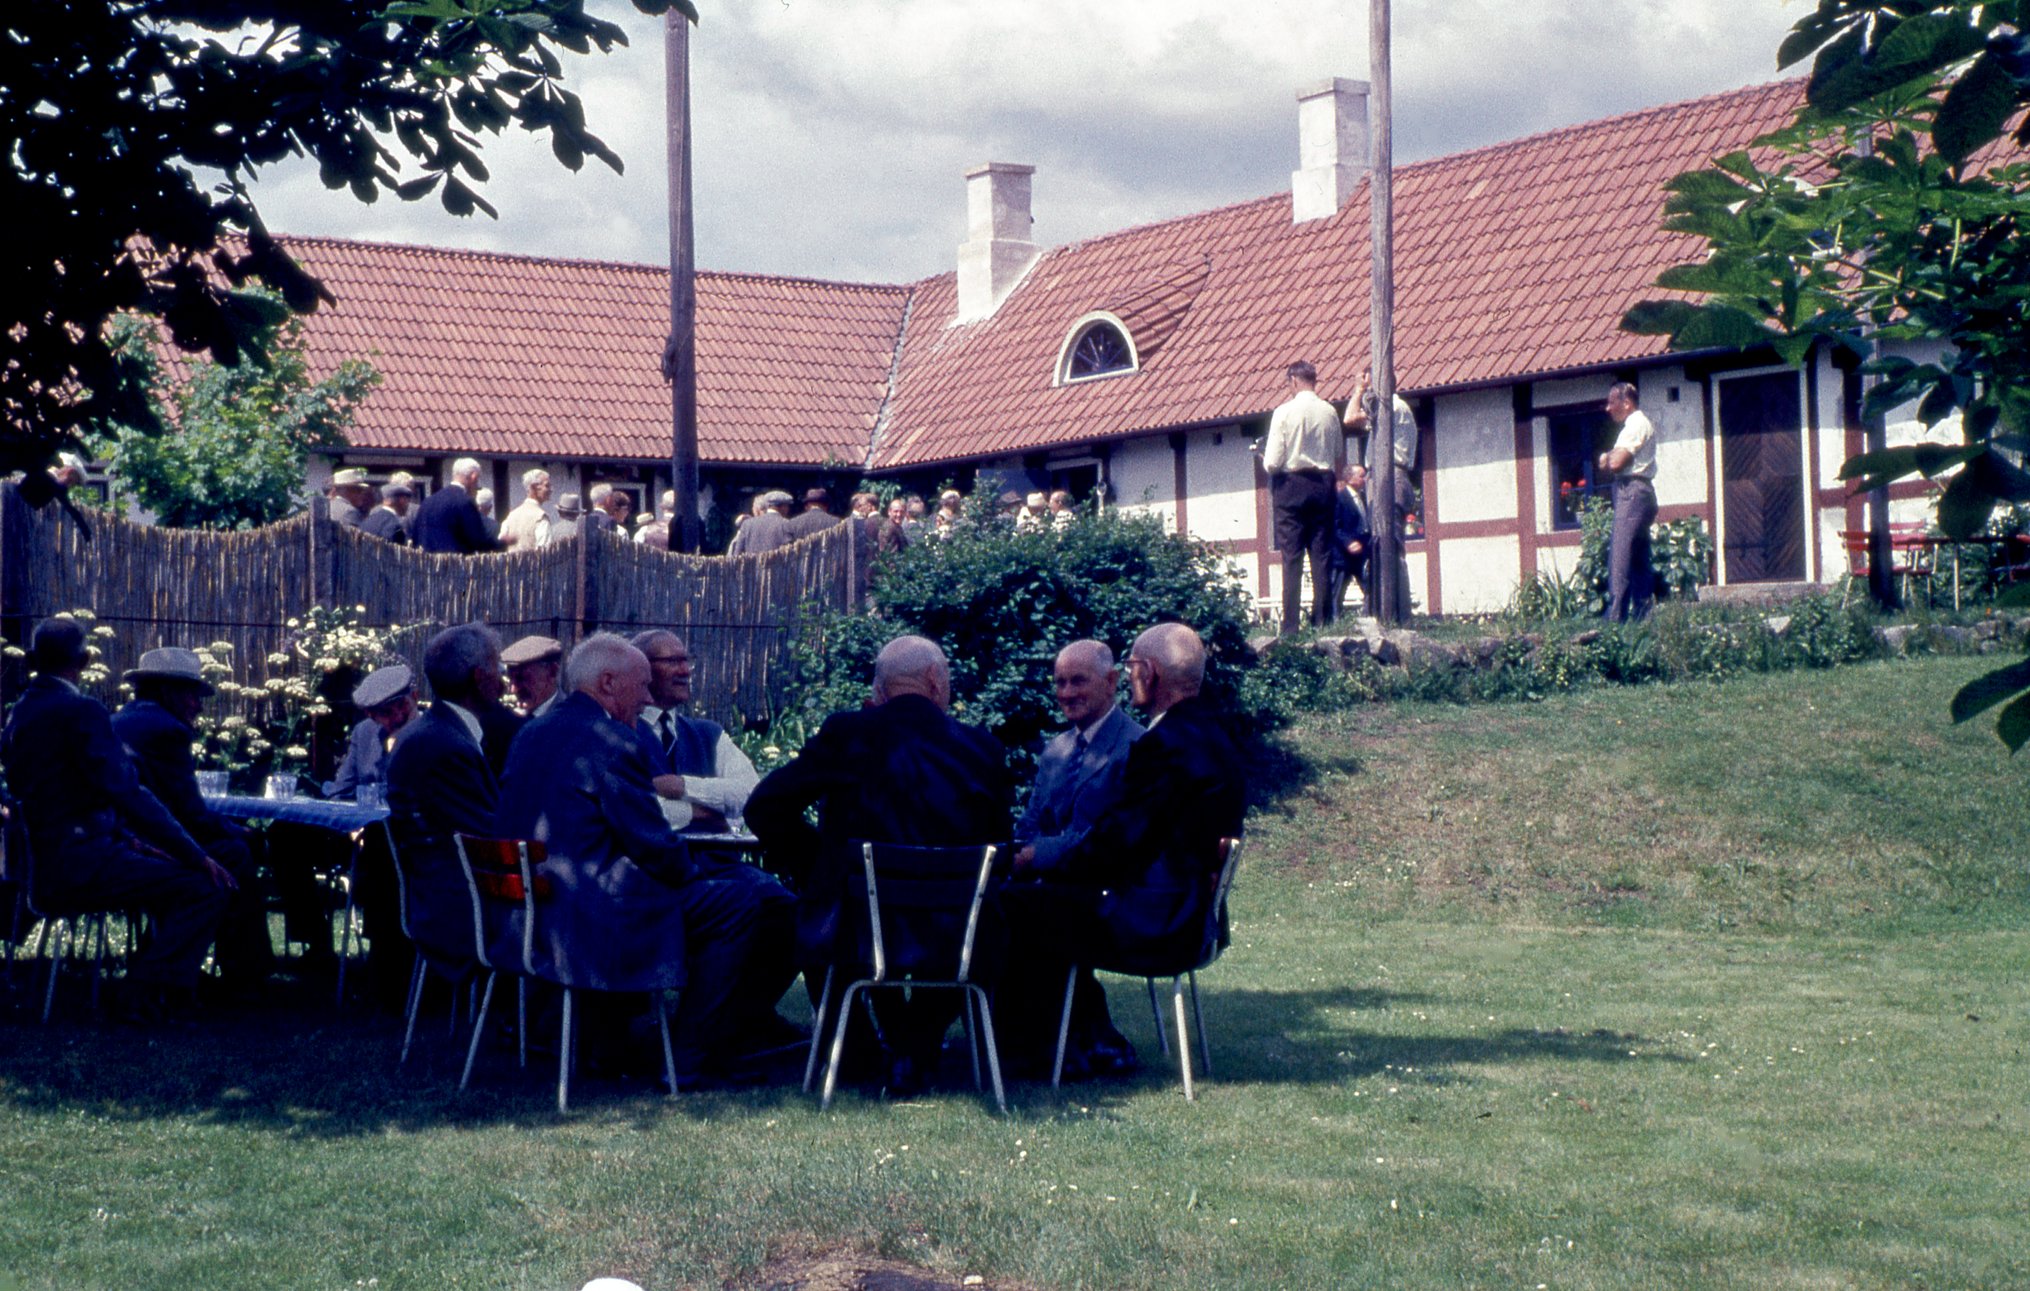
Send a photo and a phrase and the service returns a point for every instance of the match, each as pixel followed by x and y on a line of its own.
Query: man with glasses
pixel 696 761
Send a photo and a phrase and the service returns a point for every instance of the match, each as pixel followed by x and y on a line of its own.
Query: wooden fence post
pixel 588 580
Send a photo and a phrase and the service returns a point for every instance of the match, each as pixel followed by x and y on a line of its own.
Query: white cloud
pixel 831 136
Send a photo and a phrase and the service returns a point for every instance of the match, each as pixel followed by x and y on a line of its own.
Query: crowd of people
pixel 652 881
pixel 459 516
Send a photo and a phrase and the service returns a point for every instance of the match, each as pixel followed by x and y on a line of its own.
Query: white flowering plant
pixel 96 634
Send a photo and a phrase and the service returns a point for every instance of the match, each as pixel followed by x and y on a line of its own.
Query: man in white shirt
pixel 1632 462
pixel 694 760
pixel 1302 454
pixel 527 527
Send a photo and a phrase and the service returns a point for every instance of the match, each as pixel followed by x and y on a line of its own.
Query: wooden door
pixel 1762 478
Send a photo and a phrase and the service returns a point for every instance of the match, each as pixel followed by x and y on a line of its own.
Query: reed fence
pixel 185 587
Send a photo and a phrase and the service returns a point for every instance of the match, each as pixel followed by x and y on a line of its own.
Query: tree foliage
pixel 134 130
pixel 243 429
pixel 1894 207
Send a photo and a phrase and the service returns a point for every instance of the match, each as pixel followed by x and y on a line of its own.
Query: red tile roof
pixel 499 355
pixel 1511 261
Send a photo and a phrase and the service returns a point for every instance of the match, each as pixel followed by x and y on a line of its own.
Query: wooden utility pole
pixel 680 353
pixel 1385 521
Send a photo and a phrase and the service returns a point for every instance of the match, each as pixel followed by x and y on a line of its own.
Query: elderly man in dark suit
pixel 633 909
pixel 1350 536
pixel 157 729
pixel 100 839
pixel 900 771
pixel 449 519
pixel 440 783
pixel 1078 780
pixel 1141 879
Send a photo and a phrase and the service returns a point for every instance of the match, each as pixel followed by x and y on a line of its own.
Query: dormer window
pixel 1097 347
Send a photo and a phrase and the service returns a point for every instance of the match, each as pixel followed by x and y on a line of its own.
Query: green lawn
pixel 1655 987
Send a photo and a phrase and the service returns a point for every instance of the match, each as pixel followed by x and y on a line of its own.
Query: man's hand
pixel 1353 548
pixel 1025 858
pixel 706 816
pixel 668 786
pixel 220 876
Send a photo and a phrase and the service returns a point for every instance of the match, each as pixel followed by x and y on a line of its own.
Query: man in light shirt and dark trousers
pixel 1632 462
pixel 1302 454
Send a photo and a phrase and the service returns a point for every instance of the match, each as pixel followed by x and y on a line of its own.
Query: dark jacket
pixel 1349 524
pixel 579 781
pixel 439 784
pixel 75 782
pixel 902 772
pixel 448 521
pixel 1157 850
pixel 759 534
pixel 159 745
pixel 383 523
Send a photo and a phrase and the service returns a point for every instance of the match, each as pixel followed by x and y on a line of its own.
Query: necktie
pixel 669 731
pixel 1078 748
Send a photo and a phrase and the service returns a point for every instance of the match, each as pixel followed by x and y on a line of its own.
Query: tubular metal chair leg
pixel 838 1048
pixel 62 928
pixel 1198 1022
pixel 567 1049
pixel 1183 1039
pixel 1156 1008
pixel 818 1031
pixel 415 1007
pixel 478 1031
pixel 664 1007
pixel 993 1052
pixel 972 1037
pixel 522 1020
pixel 1063 1030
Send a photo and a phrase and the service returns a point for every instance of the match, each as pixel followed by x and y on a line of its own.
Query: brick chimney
pixel 997 250
pixel 1332 148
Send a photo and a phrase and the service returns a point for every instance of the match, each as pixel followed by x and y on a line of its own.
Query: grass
pixel 1672 986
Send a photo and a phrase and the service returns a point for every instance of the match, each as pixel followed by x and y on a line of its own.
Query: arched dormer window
pixel 1098 346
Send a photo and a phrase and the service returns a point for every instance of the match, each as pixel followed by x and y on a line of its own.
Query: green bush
pixel 1680 560
pixel 1003 603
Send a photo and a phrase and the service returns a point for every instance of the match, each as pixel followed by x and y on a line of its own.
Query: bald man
pixel 899 771
pixel 1140 881
pixel 634 910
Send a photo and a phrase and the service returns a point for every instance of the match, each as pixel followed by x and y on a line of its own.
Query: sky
pixel 831 137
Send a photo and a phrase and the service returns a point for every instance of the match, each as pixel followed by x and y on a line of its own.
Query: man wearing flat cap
pixel 388 698
pixel 534 665
pixel 351 495
pixel 766 529
pixel 388 521
pixel 99 839
pixel 157 728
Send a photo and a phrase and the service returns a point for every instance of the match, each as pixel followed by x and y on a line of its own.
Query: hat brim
pixel 202 686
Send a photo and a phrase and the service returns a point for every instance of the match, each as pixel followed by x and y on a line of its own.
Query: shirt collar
pixel 469 720
pixel 1092 730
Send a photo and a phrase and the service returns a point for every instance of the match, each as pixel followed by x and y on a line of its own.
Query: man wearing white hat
pixel 158 727
pixel 100 840
pixel 351 495
pixel 534 665
pixel 388 698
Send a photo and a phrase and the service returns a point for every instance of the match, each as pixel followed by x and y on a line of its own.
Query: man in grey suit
pixel 1078 780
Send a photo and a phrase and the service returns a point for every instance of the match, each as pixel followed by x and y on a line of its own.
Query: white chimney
pixel 1332 148
pixel 997 250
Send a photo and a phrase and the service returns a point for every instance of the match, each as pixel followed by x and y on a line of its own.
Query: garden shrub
pixel 1002 603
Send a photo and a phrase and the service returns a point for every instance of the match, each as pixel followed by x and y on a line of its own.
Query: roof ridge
pixel 1431 162
pixel 881 414
pixel 470 253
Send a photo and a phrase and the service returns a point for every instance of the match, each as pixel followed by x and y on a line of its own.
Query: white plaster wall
pixel 1478 575
pixel 1219 481
pixel 1420 583
pixel 1558 562
pixel 1144 478
pixel 1571 390
pixel 1475 452
pixel 1830 384
pixel 1681 478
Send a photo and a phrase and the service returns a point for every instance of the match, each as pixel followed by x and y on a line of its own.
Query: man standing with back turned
pixel 1302 456
pixel 1632 462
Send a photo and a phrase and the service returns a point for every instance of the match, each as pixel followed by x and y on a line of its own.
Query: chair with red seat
pixel 502 876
